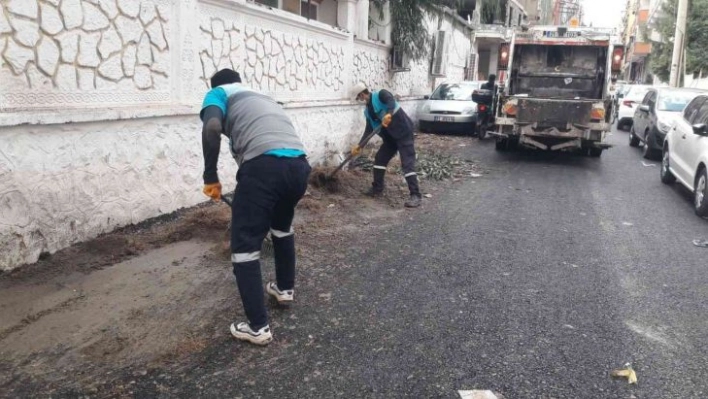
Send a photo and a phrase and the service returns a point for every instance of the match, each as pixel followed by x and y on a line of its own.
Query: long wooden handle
pixel 350 156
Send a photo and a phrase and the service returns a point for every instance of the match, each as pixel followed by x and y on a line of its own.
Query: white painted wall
pixel 694 83
pixel 99 104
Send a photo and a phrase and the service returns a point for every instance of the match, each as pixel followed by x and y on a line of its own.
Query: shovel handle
pixel 226 200
pixel 350 156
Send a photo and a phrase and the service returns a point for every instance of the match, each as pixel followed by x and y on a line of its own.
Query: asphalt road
pixel 534 281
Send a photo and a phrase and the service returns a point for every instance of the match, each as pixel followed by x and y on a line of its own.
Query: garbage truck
pixel 555 94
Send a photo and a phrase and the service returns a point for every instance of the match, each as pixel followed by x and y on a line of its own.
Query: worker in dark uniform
pixel 272 178
pixel 382 110
pixel 487 117
pixel 490 84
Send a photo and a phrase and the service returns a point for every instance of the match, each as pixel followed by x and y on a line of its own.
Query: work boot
pixel 414 201
pixel 284 298
pixel 373 192
pixel 244 332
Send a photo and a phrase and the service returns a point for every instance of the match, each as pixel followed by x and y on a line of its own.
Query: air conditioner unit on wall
pixel 439 65
pixel 399 61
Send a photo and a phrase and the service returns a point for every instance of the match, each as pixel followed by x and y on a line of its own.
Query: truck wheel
pixel 595 152
pixel 633 139
pixel 502 145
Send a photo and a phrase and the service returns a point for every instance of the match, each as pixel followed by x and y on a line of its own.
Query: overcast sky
pixel 603 13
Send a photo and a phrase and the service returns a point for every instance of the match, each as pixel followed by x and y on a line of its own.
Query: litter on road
pixel 627 372
pixel 701 243
pixel 478 394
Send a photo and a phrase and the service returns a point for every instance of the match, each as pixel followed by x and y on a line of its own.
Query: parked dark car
pixel 655 116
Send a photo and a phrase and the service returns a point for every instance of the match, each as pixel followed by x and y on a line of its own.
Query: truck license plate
pixel 443 119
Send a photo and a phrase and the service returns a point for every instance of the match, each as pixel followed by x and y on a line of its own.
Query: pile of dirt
pixel 207 222
pixel 347 182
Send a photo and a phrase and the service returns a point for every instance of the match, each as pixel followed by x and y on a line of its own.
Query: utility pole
pixel 679 41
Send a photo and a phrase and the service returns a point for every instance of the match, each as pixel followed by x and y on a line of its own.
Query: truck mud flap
pixel 532 143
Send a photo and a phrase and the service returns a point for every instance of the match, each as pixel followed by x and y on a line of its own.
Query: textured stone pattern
pixel 62 52
pixel 271 61
pixel 372 68
pixel 98 177
pixel 221 41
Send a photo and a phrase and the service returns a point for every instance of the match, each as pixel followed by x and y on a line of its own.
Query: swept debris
pixel 627 372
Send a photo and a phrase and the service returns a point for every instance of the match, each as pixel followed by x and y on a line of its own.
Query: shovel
pixel 325 180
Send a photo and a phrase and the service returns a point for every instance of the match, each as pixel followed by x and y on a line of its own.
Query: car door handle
pixel 683 137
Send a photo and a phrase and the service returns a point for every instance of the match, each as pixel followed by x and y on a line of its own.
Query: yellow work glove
pixel 213 191
pixel 386 120
pixel 356 150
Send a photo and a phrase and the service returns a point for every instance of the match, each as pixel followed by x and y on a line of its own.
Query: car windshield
pixel 455 92
pixel 674 101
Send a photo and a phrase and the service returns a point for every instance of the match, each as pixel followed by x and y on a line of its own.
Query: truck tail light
pixel 628 103
pixel 510 108
pixel 597 114
pixel 617 58
pixel 504 56
pixel 482 108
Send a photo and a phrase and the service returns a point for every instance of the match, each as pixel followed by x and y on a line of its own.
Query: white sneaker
pixel 244 332
pixel 283 297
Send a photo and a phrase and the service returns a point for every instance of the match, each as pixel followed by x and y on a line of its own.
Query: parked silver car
pixel 449 109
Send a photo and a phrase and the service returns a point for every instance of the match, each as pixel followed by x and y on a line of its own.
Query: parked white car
pixel 629 104
pixel 449 109
pixel 685 153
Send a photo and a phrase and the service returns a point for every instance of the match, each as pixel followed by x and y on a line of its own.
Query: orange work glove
pixel 356 150
pixel 213 191
pixel 386 120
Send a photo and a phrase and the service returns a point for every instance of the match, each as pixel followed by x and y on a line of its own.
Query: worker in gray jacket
pixel 272 178
pixel 382 110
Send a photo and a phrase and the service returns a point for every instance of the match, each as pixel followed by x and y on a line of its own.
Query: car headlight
pixel 469 110
pixel 425 108
pixel 663 126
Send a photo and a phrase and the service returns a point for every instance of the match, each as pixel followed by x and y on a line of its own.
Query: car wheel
pixel 647 150
pixel 700 193
pixel 666 176
pixel 595 152
pixel 633 139
pixel 502 145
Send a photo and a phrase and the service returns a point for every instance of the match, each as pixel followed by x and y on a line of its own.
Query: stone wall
pixel 74 52
pixel 99 102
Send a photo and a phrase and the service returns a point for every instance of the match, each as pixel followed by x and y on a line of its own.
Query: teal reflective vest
pixel 380 109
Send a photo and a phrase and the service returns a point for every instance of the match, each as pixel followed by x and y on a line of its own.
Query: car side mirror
pixel 700 129
pixel 426 97
pixel 644 108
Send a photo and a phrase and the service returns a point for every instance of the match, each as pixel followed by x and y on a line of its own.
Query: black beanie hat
pixel 224 77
